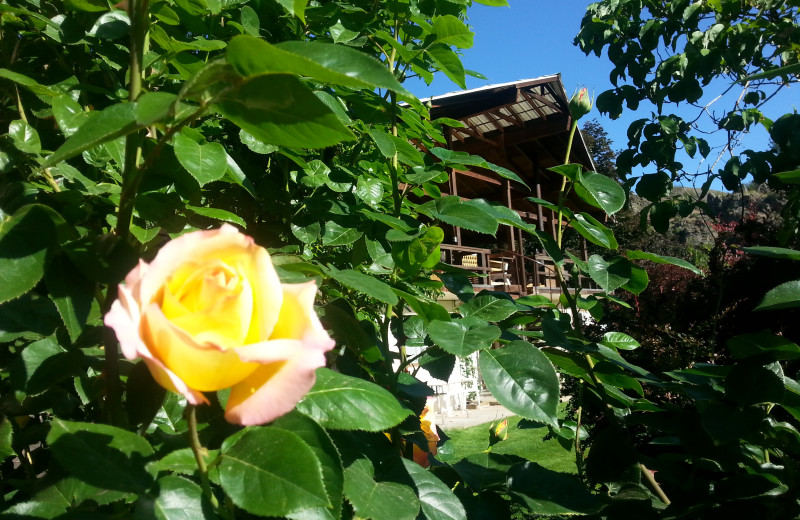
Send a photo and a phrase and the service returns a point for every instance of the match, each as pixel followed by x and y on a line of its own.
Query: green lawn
pixel 526 443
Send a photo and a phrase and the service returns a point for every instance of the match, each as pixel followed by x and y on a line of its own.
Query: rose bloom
pixel 210 313
pixel 427 423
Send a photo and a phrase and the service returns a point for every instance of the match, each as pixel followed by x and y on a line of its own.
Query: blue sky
pixel 533 38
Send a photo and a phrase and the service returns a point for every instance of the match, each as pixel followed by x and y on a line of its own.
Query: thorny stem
pixel 199 451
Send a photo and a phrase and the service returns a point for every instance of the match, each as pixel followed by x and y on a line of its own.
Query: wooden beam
pixel 453 133
pixel 544 101
pixel 478 136
pixel 493 119
pixel 512 136
pixel 479 176
pixel 514 119
pixel 533 104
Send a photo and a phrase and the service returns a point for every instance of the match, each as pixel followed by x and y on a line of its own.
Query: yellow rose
pixel 210 313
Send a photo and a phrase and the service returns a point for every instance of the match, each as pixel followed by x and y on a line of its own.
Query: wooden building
pixel 522 126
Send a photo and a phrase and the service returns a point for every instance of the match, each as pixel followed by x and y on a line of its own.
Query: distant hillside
pixel 696 229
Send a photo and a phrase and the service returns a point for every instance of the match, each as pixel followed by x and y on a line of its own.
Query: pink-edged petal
pixel 124 321
pixel 273 390
pixel 123 318
pixel 166 378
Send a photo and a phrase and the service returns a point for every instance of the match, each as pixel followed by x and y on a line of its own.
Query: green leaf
pixel 451 210
pixel 547 492
pixel 336 235
pixel 661 259
pixel 773 252
pixel 451 31
pixel 72 293
pixel 183 461
pixel 619 340
pixel 463 337
pixel 600 191
pixel 307 234
pixel 571 171
pixel 378 500
pixel 6 433
pixel 384 142
pixel 493 3
pixel 281 110
pixel 106 125
pixel 458 158
pixel 784 296
pixel 69 114
pixel 366 284
pixel 764 342
pixel 28 83
pixel 369 190
pixel 332 471
pixel 609 275
pixel 593 231
pixel 205 162
pixel 754 383
pixel 279 465
pixel 24 137
pixel 790 177
pixel 436 499
pixel 154 107
pixel 340 402
pixel 249 20
pixel 421 252
pixel 488 307
pixel 407 153
pixel 523 380
pixel 323 62
pixel 217 214
pixel 89 6
pixel 24 240
pixel 100 455
pixel 535 300
pixel 448 62
pixel 178 499
pixel 255 145
pixel 295 7
pixel 42 365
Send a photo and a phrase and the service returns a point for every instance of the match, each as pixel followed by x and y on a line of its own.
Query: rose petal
pixel 297 321
pixel 232 247
pixel 273 390
pixel 123 318
pixel 204 367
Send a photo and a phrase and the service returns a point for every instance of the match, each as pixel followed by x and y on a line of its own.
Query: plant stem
pixel 651 480
pixel 198 451
pixel 563 191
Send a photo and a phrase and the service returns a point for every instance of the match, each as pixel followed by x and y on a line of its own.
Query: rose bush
pixel 209 313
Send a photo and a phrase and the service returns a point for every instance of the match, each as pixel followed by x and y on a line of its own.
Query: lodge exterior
pixel 522 126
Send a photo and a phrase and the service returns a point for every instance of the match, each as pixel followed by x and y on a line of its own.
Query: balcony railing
pixel 509 271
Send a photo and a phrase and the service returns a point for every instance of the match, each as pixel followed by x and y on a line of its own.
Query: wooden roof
pixel 523 126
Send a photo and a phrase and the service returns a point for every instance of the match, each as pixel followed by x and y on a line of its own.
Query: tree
pixel 667 53
pixel 599 145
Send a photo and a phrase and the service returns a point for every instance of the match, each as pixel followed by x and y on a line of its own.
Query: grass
pixel 526 443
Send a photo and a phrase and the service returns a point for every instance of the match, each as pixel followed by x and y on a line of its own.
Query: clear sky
pixel 531 38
